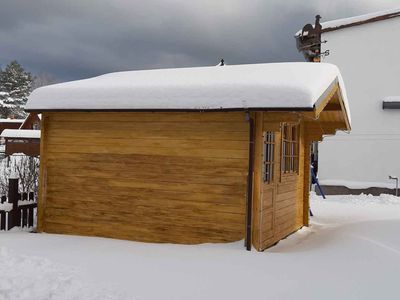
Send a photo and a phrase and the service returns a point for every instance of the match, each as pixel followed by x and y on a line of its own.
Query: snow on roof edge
pixel 21 133
pixel 391 99
pixel 338 23
pixel 12 120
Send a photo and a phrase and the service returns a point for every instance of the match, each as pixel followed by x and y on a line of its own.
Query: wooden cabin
pixel 193 155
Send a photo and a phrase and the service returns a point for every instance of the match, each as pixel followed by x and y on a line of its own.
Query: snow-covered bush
pixel 25 168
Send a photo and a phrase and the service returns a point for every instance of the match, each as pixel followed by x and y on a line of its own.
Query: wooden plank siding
pixel 170 177
pixel 154 177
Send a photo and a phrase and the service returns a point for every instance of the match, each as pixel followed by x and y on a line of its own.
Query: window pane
pixel 290 151
pixel 269 146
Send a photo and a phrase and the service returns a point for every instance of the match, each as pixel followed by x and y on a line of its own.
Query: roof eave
pixel 173 109
pixel 357 23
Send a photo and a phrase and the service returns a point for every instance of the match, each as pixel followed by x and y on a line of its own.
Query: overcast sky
pixel 72 39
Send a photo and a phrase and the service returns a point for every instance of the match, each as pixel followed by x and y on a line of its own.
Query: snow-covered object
pixel 391 99
pixel 6 207
pixel 12 121
pixel 13 174
pixel 278 85
pixel 21 133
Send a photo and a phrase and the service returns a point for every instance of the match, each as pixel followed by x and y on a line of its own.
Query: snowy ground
pixel 351 251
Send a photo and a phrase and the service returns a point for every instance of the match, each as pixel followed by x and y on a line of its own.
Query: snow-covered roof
pixel 279 85
pixel 12 120
pixel 358 20
pixel 21 133
pixel 376 16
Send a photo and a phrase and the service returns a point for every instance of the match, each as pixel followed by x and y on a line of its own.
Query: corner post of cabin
pixel 41 202
pixel 307 178
pixel 257 181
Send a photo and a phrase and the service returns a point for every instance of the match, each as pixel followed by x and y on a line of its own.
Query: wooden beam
pixel 306 183
pixel 41 205
pixel 345 112
pixel 333 107
pixel 257 181
pixel 326 99
pixel 320 129
pixel 282 117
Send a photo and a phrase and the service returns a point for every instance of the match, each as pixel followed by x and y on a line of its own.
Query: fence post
pixel 3 215
pixel 14 216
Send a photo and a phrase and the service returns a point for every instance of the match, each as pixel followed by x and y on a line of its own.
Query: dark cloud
pixel 74 39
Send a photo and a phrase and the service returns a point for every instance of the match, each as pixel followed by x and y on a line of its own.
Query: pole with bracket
pixel 397 184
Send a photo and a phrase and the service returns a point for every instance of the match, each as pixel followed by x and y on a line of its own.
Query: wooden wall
pixel 155 177
pixel 30 147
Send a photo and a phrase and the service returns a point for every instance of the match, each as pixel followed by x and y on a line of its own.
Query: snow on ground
pixel 351 251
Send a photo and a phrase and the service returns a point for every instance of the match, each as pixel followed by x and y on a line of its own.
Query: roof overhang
pixel 248 109
pixel 330 114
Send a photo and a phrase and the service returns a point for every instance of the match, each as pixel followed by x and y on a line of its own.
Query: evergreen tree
pixel 15 87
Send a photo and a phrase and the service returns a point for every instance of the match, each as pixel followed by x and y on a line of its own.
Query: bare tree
pixel 43 79
pixel 24 167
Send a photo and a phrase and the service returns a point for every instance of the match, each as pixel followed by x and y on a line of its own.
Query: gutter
pixel 175 109
pixel 249 203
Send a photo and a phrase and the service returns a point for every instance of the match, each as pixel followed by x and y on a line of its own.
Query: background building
pixel 365 48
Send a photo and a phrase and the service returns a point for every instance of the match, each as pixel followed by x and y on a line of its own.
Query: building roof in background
pixel 21 133
pixel 12 121
pixel 357 20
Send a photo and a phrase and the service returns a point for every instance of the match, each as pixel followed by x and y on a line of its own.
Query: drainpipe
pixel 249 205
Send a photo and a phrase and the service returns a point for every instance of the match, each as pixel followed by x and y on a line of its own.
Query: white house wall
pixel 368 57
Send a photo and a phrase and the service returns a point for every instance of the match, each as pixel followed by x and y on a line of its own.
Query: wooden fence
pixel 21 208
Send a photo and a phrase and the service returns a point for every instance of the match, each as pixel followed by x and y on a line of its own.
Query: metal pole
pixel 397 184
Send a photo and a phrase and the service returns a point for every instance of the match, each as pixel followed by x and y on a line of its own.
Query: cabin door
pixel 270 179
pixel 277 208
